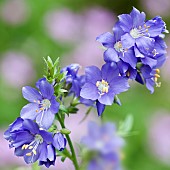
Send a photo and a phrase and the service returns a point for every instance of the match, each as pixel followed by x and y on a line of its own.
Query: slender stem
pixel 74 158
pixel 35 166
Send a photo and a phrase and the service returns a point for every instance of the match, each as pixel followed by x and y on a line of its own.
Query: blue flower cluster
pixel 105 146
pixel 29 134
pixel 34 143
pixel 136 50
pixel 137 47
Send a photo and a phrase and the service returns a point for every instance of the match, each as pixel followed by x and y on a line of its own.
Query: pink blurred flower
pixel 166 69
pixel 7 157
pixel 63 25
pixel 159 136
pixel 14 12
pixel 16 69
pixel 96 21
pixel 157 7
pixel 88 52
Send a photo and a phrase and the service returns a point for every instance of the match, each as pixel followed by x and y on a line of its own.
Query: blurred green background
pixel 31 30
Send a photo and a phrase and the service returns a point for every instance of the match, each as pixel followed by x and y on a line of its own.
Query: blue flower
pixel 59 141
pixel 150 77
pixel 104 84
pixel 139 33
pixel 103 141
pixel 48 156
pixel 116 52
pixel 102 162
pixel 73 79
pixel 43 105
pixel 31 142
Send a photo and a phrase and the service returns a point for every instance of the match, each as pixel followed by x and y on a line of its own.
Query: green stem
pixel 35 166
pixel 74 158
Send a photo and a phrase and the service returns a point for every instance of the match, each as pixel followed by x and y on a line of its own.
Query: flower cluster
pixel 104 145
pixel 34 143
pixel 29 134
pixel 137 47
pixel 135 51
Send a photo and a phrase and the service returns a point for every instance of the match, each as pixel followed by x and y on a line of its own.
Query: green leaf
pixel 125 127
pixel 64 109
pixel 72 110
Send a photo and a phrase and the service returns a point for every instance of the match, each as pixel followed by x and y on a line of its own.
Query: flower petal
pixel 138 53
pixel 59 141
pixel 51 152
pixel 137 17
pixel 125 21
pixel 127 41
pixel 156 26
pixel 118 32
pixel 89 91
pixel 119 84
pixel 107 98
pixel 110 55
pixel 129 57
pixel 29 111
pixel 109 70
pixel 46 89
pixel 31 126
pixel 150 85
pixel 107 39
pixel 45 119
pixel 100 108
pixel 145 44
pixel 47 136
pixel 149 61
pixel 93 74
pixel 54 105
pixel 31 94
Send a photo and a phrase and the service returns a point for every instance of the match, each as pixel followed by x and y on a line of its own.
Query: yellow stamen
pixel 37 110
pixel 128 73
pixel 41 108
pixel 26 146
pixel 28 154
pixel 97 83
pixel 156 79
pixel 30 147
pixel 23 147
pixel 157 75
pixel 157 71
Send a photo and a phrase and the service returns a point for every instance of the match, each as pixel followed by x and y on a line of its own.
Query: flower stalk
pixel 74 158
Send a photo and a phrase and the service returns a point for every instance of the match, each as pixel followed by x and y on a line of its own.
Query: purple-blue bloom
pixel 31 142
pixel 59 141
pixel 104 84
pixel 73 78
pixel 43 105
pixel 105 162
pixel 138 32
pixel 106 143
pixel 116 52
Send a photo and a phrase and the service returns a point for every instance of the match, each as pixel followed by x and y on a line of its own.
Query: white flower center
pixel 135 33
pixel 102 86
pixel 46 104
pixel 118 46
